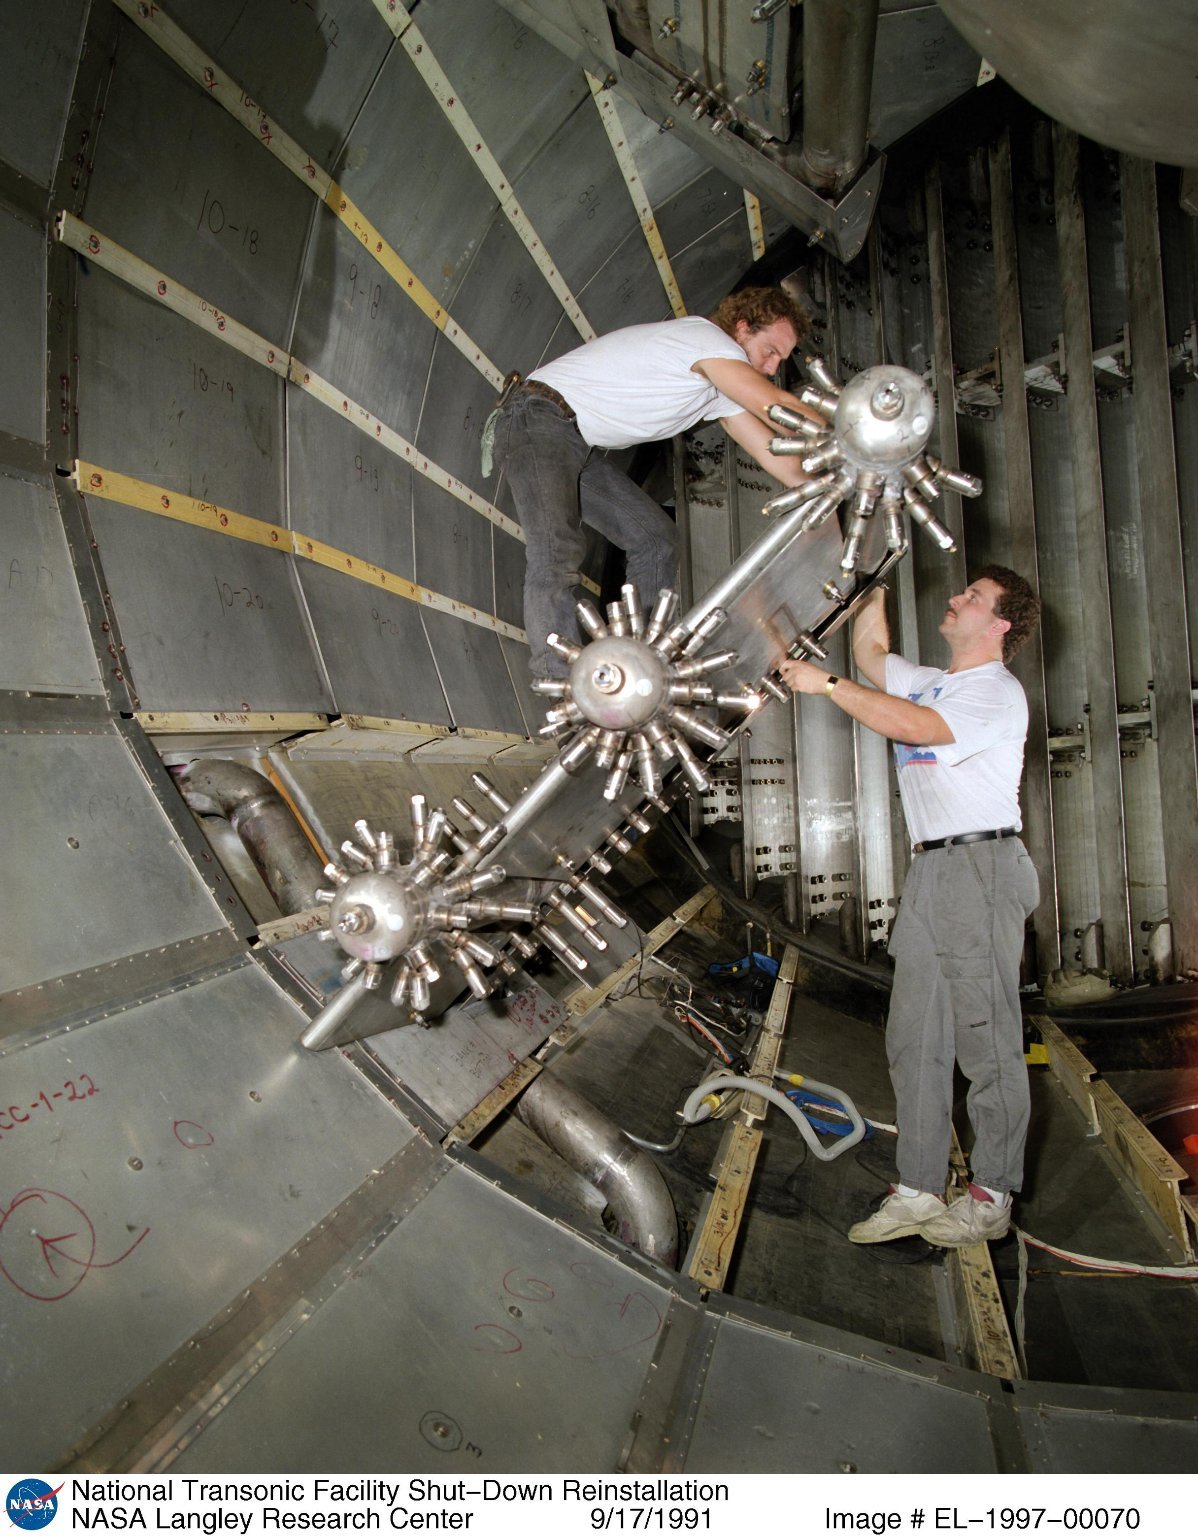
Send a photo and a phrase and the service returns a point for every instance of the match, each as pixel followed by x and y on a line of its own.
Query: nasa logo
pixel 32 1504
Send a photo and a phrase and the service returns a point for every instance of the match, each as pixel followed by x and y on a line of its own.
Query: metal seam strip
pixel 154 284
pixel 756 227
pixel 415 45
pixel 614 129
pixel 111 485
pixel 223 1355
pixel 175 43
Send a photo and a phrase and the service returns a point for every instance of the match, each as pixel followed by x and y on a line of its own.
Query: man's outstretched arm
pixel 898 719
pixel 871 637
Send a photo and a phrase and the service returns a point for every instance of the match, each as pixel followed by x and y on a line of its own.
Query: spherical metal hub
pixel 378 915
pixel 619 683
pixel 884 418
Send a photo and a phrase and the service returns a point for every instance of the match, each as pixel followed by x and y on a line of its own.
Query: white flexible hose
pixel 722 1080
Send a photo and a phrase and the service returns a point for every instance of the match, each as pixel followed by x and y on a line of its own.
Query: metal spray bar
pixel 647 698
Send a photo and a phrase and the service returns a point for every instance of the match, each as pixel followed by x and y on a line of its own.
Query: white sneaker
pixel 898 1216
pixel 968 1221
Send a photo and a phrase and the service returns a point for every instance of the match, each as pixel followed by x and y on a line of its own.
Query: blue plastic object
pixel 752 962
pixel 807 1101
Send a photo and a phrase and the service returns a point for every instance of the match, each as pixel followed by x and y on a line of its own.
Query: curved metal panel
pixel 505 303
pixel 81 818
pixel 1126 84
pixel 374 647
pixel 161 1166
pixel 419 187
pixel 473 673
pixel 496 63
pixel 186 188
pixel 452 540
pixel 773 1403
pixel 347 490
pixel 40 45
pixel 166 402
pixel 707 236
pixel 575 195
pixel 626 290
pixel 308 68
pixel 209 622
pixel 23 326
pixel 357 329
pixel 453 545
pixel 542 1343
pixel 44 643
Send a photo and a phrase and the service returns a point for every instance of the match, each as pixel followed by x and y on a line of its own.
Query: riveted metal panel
pixel 1097 652
pixel 508 556
pixel 408 170
pixel 473 674
pixel 44 644
pixel 209 622
pixel 707 237
pixel 166 402
pixel 178 1174
pixel 575 195
pixel 373 647
pixel 921 64
pixel 308 68
pixel 347 490
pixel 40 45
pixel 356 328
pixel 505 303
pixel 477 1337
pixel 1092 1430
pixel 532 706
pixel 469 1050
pixel 512 82
pixel 23 325
pixel 81 818
pixel 626 290
pixel 186 188
pixel 771 1403
pixel 452 540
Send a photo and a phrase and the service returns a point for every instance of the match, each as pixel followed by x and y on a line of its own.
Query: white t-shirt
pixel 637 384
pixel 971 785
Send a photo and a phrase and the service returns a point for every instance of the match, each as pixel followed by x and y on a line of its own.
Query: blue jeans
pixel 558 482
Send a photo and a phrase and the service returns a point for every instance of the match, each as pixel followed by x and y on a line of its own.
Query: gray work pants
pixel 957 944
pixel 558 482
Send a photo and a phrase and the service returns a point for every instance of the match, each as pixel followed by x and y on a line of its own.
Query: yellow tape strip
pixel 610 117
pixel 92 480
pixel 122 263
pixel 756 227
pixel 195 63
pixel 182 301
pixel 329 395
pixel 416 46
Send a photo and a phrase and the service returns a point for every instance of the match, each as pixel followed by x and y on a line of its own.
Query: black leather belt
pixel 535 387
pixel 965 837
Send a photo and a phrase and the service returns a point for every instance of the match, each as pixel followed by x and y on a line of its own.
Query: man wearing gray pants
pixel 957 941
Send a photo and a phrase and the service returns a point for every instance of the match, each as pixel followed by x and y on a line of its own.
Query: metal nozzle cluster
pixel 868 450
pixel 402 921
pixel 628 689
pixel 566 901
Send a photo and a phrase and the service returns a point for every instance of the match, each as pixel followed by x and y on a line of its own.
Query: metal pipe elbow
pixel 596 1147
pixel 274 840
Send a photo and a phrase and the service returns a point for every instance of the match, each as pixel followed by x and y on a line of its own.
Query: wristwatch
pixel 831 683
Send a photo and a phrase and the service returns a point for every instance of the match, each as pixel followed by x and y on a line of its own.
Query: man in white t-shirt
pixel 958 937
pixel 635 385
